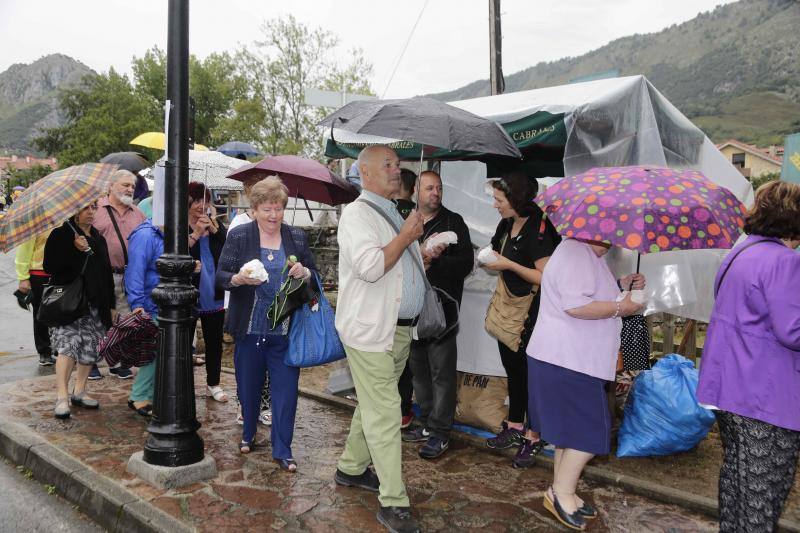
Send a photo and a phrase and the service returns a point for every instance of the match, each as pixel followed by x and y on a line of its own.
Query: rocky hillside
pixel 29 97
pixel 734 70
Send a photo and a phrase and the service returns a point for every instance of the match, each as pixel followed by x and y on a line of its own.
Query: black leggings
pixel 516 365
pixel 212 337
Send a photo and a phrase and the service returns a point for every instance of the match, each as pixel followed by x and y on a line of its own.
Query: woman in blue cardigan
pixel 259 346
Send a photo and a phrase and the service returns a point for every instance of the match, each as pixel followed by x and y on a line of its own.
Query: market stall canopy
pixel 565 130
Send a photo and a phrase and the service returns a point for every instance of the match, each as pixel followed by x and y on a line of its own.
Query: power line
pixel 403 51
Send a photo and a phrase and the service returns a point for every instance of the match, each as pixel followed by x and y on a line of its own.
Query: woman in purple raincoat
pixel 750 371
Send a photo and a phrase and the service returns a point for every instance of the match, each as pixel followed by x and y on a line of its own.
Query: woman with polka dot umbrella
pixel 645 209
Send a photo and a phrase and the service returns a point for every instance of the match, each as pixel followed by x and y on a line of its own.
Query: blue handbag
pixel 313 339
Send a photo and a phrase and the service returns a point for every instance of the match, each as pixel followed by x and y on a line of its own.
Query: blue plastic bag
pixel 313 339
pixel 662 415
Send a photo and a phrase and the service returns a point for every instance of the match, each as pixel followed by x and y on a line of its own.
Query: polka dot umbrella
pixel 645 209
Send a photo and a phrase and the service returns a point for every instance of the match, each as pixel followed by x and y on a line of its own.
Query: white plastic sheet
pixel 614 122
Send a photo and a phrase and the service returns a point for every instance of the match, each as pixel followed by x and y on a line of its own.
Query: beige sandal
pixel 218 394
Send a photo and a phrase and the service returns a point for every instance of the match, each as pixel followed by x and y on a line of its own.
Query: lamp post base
pixel 173 449
pixel 166 477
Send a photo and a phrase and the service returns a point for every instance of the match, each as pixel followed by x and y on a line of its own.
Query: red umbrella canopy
pixel 305 178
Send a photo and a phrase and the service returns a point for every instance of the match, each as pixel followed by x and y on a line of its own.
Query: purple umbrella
pixel 645 209
pixel 305 178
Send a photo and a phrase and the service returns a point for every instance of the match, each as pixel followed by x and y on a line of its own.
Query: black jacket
pixel 64 262
pixel 243 245
pixel 448 271
pixel 216 242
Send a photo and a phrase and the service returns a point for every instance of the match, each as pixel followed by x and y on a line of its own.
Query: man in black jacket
pixel 433 362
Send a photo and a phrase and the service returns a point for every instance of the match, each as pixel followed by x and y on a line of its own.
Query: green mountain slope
pixel 29 97
pixel 735 70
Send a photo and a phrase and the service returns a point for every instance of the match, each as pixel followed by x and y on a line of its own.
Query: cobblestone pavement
pixel 466 490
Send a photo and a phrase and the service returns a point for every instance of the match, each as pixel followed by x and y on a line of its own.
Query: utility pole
pixel 496 82
pixel 173 439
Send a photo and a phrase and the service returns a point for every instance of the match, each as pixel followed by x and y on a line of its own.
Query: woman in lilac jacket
pixel 750 371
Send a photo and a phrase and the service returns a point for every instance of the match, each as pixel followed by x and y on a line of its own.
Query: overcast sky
pixel 448 49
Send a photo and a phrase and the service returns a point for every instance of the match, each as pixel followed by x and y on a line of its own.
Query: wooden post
pixel 668 328
pixel 688 347
pixel 496 81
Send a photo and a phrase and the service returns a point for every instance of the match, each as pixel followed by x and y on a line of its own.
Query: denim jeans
pixel 433 364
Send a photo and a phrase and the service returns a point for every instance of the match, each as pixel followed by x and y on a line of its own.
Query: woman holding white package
pixel 522 244
pixel 259 347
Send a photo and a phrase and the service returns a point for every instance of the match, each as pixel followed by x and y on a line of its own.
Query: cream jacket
pixel 369 298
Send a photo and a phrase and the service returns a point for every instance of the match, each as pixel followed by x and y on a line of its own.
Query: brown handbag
pixel 506 315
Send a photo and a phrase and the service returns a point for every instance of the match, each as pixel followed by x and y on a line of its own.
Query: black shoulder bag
pixel 64 304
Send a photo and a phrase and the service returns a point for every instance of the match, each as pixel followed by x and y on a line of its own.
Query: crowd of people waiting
pixel 556 314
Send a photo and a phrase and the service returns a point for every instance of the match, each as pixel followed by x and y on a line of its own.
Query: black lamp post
pixel 173 439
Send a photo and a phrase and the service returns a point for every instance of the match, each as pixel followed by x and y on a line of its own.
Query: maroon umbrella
pixel 133 341
pixel 305 178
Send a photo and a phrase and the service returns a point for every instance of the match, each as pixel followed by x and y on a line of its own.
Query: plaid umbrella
pixel 132 341
pixel 50 201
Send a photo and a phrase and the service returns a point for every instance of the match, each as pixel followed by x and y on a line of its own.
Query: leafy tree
pixel 276 70
pixel 253 95
pixel 26 176
pixel 764 178
pixel 102 116
pixel 214 83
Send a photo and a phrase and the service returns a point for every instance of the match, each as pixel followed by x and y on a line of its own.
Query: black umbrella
pixel 238 148
pixel 130 161
pixel 425 121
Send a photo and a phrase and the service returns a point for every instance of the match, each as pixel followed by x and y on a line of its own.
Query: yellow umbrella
pixel 157 140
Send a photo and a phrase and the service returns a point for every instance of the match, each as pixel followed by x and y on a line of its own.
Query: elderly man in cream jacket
pixel 381 292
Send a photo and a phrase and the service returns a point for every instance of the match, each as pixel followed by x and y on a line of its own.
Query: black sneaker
pixel 527 452
pixel 434 448
pixel 417 434
pixel 398 519
pixel 94 373
pixel 45 359
pixel 507 438
pixel 121 372
pixel 368 480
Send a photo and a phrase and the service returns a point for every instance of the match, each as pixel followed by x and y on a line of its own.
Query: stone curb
pixel 105 501
pixel 641 487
